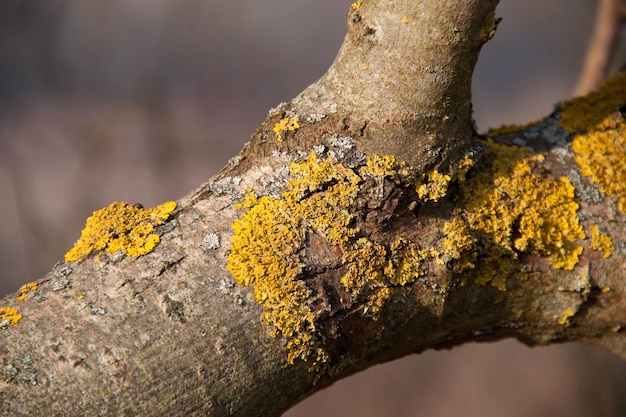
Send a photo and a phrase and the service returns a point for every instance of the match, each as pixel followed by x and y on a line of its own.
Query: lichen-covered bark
pixel 364 221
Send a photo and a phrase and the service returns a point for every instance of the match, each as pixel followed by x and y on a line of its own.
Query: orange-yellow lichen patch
pixel 121 227
pixel 458 245
pixel 268 237
pixel 386 166
pixel 601 242
pixel 365 260
pixel 9 316
pixel 405 264
pixel 356 5
pixel 284 125
pixel 435 187
pixel 601 156
pixel 600 142
pixel 25 289
pixel 596 110
pixel 463 166
pixel 504 209
pixel 510 210
pixel 563 319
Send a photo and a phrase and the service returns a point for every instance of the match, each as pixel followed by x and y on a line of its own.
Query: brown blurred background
pixel 142 100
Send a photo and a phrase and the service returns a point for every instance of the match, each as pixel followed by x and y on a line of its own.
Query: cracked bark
pixel 171 333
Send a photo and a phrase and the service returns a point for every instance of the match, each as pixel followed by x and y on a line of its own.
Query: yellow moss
pixel 121 227
pixel 357 5
pixel 284 125
pixel 563 319
pixel 601 242
pixel 596 110
pixel 25 289
pixel 9 316
pixel 510 210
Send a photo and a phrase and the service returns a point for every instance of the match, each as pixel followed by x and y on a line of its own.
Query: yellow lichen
pixel 405 19
pixel 600 142
pixel 406 263
pixel 463 166
pixel 25 289
pixel 265 245
pixel 284 125
pixel 121 227
pixel 601 156
pixel 365 261
pixel 268 237
pixel 601 242
pixel 510 210
pixel 435 187
pixel 9 316
pixel 386 166
pixel 458 244
pixel 357 5
pixel 507 210
pixel 377 301
pixel 596 110
pixel 563 319
pixel 249 200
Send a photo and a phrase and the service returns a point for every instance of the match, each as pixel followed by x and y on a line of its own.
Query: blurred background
pixel 143 100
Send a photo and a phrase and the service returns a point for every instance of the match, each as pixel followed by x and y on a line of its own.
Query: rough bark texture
pixel 353 259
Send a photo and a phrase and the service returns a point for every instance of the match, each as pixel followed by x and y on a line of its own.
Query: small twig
pixel 609 16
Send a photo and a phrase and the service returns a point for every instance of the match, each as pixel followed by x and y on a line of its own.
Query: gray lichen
pixel 210 242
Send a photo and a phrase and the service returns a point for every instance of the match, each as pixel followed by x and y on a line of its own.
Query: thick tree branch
pixel 400 84
pixel 363 222
pixel 421 60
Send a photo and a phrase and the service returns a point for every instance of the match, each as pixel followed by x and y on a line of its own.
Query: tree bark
pixel 364 221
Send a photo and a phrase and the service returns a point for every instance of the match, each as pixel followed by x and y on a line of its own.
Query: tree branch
pixel 364 221
pixel 601 49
